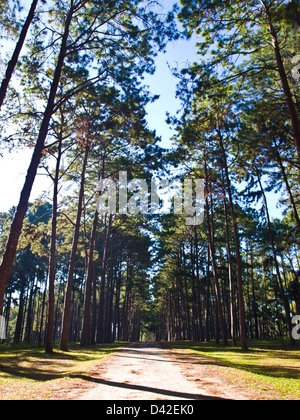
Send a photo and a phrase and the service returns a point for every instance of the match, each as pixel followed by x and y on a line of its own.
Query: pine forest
pixel 104 257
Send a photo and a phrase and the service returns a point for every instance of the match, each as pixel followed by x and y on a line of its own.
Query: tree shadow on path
pixel 151 390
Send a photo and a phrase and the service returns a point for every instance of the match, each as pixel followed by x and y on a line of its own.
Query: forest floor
pixel 148 371
pixel 270 370
pixel 28 373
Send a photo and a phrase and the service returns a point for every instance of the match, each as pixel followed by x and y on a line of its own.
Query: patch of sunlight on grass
pixel 266 362
pixel 24 369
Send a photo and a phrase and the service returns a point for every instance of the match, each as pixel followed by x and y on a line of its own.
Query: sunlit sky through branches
pixel 13 166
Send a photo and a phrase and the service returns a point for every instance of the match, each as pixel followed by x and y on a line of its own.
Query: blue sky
pixel 13 167
pixel 164 83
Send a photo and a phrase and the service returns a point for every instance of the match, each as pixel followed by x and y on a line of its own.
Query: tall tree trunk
pixel 86 327
pixel 117 303
pixel 52 260
pixel 126 304
pixel 237 246
pixel 201 335
pixel 42 316
pixel 18 330
pixel 186 298
pixel 286 181
pixel 100 327
pixel 110 300
pixel 284 81
pixel 14 59
pixel 282 291
pixel 207 334
pixel 67 303
pixel 211 245
pixel 95 306
pixel 254 304
pixel 29 321
pixel 231 283
pixel 17 224
pixel 199 332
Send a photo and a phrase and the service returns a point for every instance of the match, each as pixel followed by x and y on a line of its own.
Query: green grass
pixel 27 372
pixel 267 364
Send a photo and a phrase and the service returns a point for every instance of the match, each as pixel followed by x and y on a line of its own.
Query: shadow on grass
pixel 251 361
pixel 33 363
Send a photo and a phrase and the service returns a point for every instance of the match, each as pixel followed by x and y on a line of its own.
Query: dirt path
pixel 148 372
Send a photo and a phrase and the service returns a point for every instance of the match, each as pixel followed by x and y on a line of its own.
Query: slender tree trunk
pixel 126 304
pixel 254 304
pixel 194 295
pixel 231 283
pixel 117 305
pixel 100 328
pixel 215 270
pixel 52 260
pixel 18 330
pixel 110 300
pixel 42 316
pixel 217 286
pixel 17 224
pixel 51 282
pixel 29 321
pixel 286 181
pixel 186 299
pixel 200 330
pixel 67 303
pixel 283 295
pixel 86 327
pixel 15 57
pixel 207 334
pixel 95 306
pixel 284 81
pixel 237 246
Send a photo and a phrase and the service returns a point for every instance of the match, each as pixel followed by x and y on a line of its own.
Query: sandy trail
pixel 148 372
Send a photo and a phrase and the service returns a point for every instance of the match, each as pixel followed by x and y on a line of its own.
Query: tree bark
pixel 282 291
pixel 95 306
pixel 284 82
pixel 207 315
pixel 286 181
pixel 200 319
pixel 52 260
pixel 215 270
pixel 14 60
pixel 231 283
pixel 237 246
pixel 17 224
pixel 110 299
pixel 254 304
pixel 67 303
pixel 85 336
pixel 18 330
pixel 42 315
pixel 117 304
pixel 100 327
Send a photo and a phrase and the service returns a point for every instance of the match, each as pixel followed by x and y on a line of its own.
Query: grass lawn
pixel 28 373
pixel 268 364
